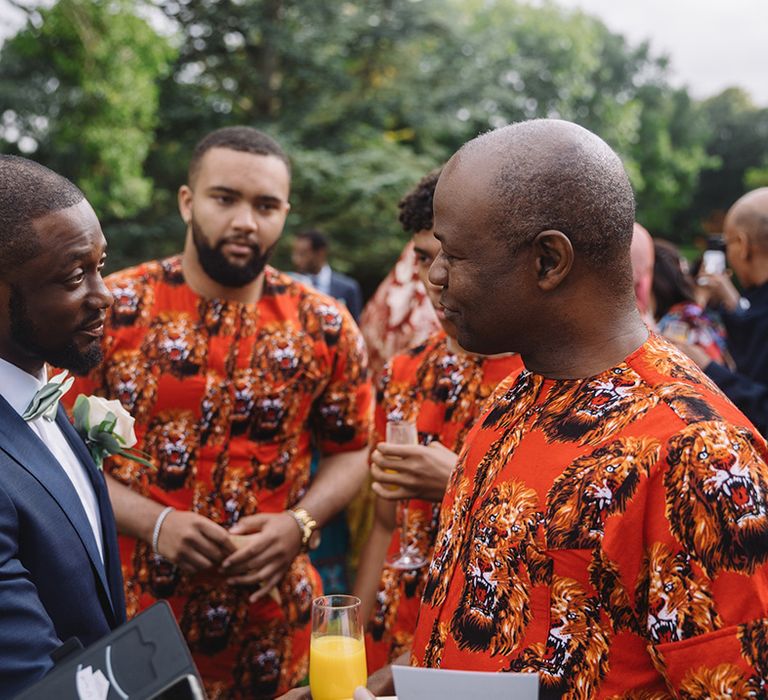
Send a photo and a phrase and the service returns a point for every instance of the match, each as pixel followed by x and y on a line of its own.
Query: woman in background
pixel 679 309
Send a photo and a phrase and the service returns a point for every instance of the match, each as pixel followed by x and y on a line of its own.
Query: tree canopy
pixel 366 96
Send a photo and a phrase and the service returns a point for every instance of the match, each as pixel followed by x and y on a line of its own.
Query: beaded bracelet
pixel 158 524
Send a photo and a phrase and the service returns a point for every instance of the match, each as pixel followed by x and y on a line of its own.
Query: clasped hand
pixel 411 471
pixel 256 551
pixel 270 542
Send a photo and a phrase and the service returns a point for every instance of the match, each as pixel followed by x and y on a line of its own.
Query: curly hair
pixel 416 206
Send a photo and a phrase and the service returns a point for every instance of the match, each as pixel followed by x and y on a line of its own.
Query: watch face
pixel 314 539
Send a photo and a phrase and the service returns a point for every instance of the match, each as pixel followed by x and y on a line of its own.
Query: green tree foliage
pixel 366 95
pixel 668 155
pixel 738 140
pixel 80 84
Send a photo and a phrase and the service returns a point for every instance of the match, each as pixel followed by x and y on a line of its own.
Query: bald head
pixel 750 216
pixel 642 256
pixel 552 174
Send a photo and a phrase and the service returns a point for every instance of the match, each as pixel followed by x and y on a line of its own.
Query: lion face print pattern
pixel 444 393
pixel 230 399
pixel 610 534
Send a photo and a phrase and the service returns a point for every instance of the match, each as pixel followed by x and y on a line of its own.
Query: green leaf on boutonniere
pixel 108 424
pixel 106 438
pixel 80 414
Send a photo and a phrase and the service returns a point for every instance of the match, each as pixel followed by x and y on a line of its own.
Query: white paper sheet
pixel 436 684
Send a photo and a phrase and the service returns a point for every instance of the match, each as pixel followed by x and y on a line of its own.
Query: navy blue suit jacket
pixel 348 290
pixel 53 585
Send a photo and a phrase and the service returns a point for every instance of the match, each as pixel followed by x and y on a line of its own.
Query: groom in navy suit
pixel 59 564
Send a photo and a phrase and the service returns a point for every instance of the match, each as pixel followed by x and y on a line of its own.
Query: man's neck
pixel 590 351
pixel 760 276
pixel 30 365
pixel 200 283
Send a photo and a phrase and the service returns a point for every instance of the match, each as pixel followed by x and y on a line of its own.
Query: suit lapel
pixel 108 530
pixel 23 445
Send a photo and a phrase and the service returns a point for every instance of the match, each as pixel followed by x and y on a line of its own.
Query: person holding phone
pixel 675 306
pixel 745 318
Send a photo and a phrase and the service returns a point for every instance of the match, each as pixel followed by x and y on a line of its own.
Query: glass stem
pixel 404 531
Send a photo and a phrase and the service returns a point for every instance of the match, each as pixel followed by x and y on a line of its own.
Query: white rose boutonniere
pixel 107 429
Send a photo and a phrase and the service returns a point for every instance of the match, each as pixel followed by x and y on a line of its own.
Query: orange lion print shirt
pixel 610 534
pixel 443 392
pixel 229 399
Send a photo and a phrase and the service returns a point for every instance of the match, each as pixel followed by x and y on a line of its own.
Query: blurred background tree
pixel 80 89
pixel 366 96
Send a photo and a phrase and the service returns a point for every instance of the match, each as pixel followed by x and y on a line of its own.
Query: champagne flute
pixel 337 650
pixel 401 432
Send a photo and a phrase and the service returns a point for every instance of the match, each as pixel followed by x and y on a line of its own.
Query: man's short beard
pixel 68 356
pixel 219 269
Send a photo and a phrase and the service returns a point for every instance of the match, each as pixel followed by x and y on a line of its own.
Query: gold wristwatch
pixel 310 534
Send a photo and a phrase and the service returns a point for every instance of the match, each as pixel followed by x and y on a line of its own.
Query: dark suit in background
pixel 337 285
pixel 747 339
pixel 309 255
pixel 347 290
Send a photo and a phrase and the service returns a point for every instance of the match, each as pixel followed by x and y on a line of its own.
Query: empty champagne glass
pixel 401 432
pixel 337 650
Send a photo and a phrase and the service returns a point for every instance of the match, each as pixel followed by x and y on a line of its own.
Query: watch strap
pixel 307 525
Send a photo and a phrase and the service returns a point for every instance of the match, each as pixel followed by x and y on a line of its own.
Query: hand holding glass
pixel 337 650
pixel 400 432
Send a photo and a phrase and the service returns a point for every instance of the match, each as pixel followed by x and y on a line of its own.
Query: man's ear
pixel 553 255
pixel 185 203
pixel 744 245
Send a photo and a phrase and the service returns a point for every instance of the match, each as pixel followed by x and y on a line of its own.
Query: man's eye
pixel 77 278
pixel 224 199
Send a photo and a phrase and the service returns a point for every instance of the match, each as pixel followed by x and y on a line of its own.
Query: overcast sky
pixel 712 44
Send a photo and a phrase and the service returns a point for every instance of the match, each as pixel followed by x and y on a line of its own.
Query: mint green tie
pixel 45 402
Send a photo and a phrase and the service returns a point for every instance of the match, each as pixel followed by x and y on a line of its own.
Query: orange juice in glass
pixel 337 651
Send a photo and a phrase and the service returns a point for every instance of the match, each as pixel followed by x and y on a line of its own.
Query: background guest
pixel 745 319
pixel 642 270
pixel 674 302
pixel 309 256
pixel 441 388
pixel 235 372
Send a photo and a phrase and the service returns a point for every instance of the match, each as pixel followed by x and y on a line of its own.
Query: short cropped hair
pixel 28 191
pixel 317 239
pixel 416 206
pixel 562 177
pixel 237 138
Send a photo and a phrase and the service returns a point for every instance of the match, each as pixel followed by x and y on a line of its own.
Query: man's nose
pixel 245 219
pixel 101 297
pixel 438 272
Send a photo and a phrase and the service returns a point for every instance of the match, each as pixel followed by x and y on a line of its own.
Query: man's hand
pixel 193 542
pixel 411 471
pixel 269 544
pixel 297 694
pixel 720 290
pixel 380 684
